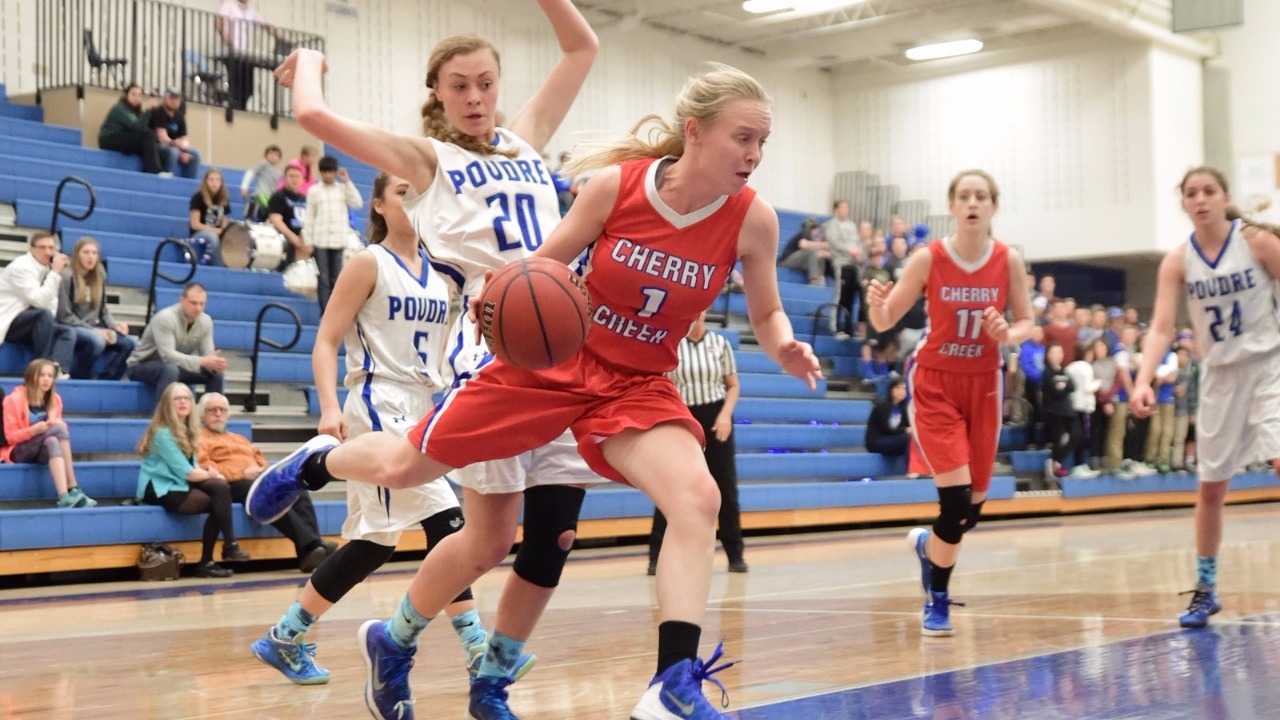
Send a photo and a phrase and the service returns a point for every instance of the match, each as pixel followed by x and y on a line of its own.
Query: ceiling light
pixel 945 49
pixel 768 6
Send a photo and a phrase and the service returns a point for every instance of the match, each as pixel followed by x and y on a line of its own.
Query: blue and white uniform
pixel 481 213
pixel 1232 303
pixel 393 353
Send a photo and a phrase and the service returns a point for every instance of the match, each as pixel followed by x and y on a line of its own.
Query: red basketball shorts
pixel 956 419
pixel 503 411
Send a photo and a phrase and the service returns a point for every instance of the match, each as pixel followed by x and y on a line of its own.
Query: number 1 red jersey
pixel 956 293
pixel 653 270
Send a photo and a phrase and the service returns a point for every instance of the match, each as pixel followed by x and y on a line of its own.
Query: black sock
pixel 677 641
pixel 939 577
pixel 315 474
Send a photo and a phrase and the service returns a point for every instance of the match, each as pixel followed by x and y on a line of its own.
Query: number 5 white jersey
pixel 1232 302
pixel 484 211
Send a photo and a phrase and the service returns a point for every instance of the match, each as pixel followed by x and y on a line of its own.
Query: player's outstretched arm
pixel 354 286
pixel 758 250
pixel 886 304
pixel 1169 285
pixel 586 218
pixel 408 157
pixel 541 116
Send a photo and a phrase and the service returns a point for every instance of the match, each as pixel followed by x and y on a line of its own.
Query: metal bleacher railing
pixel 259 339
pixel 188 253
pixel 57 202
pixel 110 43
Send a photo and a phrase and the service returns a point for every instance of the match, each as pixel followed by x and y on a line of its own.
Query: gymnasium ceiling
pixel 875 32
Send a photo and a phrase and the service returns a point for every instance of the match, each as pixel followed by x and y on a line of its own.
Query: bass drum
pixel 252 245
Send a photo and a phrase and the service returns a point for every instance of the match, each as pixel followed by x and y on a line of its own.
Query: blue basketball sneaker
pixel 277 488
pixel 676 693
pixel 935 621
pixel 386 686
pixel 1204 602
pixel 489 699
pixel 293 659
pixel 918 538
pixel 475 655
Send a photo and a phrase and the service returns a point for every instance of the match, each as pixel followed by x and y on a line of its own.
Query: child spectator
pixel 327 223
pixel 1031 360
pixel 889 427
pixel 287 211
pixel 1182 411
pixel 1060 420
pixel 305 165
pixel 125 130
pixel 170 477
pixel 35 432
pixel 103 345
pixel 169 123
pixel 1160 433
pixel 210 215
pixel 259 183
pixel 1084 401
pixel 1104 371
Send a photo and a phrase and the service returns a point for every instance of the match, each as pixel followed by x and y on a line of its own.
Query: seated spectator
pixel 169 122
pixel 170 478
pixel 35 432
pixel 125 130
pixel 1062 424
pixel 210 214
pixel 808 252
pixel 177 346
pixel 102 345
pixel 328 224
pixel 260 183
pixel 235 458
pixel 287 211
pixel 889 427
pixel 305 165
pixel 29 302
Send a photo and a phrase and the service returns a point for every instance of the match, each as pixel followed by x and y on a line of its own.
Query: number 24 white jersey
pixel 1232 302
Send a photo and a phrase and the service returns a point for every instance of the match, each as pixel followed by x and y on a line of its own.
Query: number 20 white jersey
pixel 1232 302
pixel 484 211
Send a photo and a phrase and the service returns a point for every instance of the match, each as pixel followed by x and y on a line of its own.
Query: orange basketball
pixel 535 313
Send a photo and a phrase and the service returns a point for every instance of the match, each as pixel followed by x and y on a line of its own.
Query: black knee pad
pixel 348 567
pixel 953 516
pixel 975 512
pixel 442 525
pixel 550 519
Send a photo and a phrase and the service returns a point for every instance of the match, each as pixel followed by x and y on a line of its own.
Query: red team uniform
pixel 955 379
pixel 652 272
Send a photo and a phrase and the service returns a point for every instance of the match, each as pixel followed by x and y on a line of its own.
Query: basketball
pixel 535 313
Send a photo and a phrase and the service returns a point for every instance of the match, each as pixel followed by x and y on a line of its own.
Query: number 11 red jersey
pixel 956 293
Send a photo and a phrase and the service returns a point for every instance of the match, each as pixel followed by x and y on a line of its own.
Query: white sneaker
pixel 1084 471
pixel 165 174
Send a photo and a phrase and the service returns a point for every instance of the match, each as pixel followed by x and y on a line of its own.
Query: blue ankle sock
pixel 406 625
pixel 501 657
pixel 295 622
pixel 470 629
pixel 1206 570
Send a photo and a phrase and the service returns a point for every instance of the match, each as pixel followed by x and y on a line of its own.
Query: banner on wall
pixel 343 8
pixel 1258 186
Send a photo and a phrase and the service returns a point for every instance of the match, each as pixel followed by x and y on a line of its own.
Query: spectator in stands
pixel 170 478
pixel 1031 358
pixel 1115 325
pixel 1119 431
pixel 564 184
pixel 34 432
pixel 306 165
pixel 235 458
pixel 177 345
pixel 1061 329
pixel 875 269
pixel 808 252
pixel 125 130
pixel 707 378
pixel 1084 402
pixel 1109 383
pixel 1062 425
pixel 236 25
pixel 210 214
pixel 897 258
pixel 1131 318
pixel 29 302
pixel 102 344
pixel 889 426
pixel 169 122
pixel 287 211
pixel 328 223
pixel 1094 324
pixel 1160 432
pixel 262 181
pixel 1183 409
pixel 1045 292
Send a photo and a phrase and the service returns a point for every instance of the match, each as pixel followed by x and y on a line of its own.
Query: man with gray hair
pixel 240 462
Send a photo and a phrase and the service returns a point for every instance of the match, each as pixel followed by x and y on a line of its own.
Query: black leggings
pixel 136 142
pixel 1064 433
pixel 357 560
pixel 211 496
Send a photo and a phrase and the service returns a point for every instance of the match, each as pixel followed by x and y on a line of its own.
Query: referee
pixel 707 379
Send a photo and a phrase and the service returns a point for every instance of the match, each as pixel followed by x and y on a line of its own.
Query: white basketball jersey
pixel 484 211
pixel 400 331
pixel 1232 302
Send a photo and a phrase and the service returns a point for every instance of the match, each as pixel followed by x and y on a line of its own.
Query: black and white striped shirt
pixel 703 366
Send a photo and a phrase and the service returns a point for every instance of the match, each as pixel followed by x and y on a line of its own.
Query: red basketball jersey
pixel 956 293
pixel 654 270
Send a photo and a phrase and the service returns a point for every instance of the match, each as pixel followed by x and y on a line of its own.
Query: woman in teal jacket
pixel 171 478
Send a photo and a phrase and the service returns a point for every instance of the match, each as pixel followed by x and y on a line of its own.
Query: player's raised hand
pixel 797 359
pixel 996 324
pixel 1142 402
pixel 288 69
pixel 878 293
